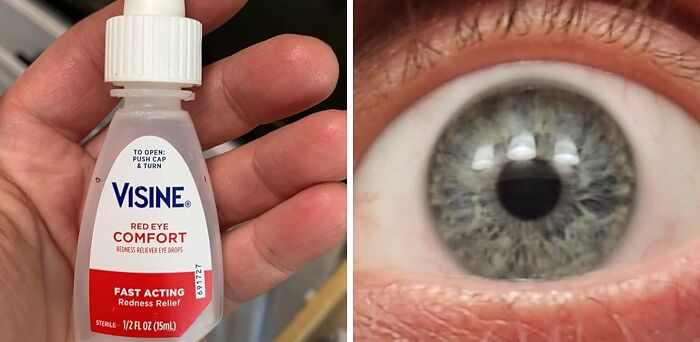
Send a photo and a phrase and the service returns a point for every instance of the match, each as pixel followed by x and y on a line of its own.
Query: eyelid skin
pixel 429 50
pixel 657 300
pixel 632 306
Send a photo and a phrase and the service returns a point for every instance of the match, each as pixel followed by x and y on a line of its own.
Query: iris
pixel 532 181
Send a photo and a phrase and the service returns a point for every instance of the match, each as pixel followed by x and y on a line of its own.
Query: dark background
pixel 260 20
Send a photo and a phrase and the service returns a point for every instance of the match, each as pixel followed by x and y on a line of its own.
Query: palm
pixel 53 174
pixel 46 173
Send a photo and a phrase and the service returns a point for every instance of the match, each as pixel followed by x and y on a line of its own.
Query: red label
pixel 147 304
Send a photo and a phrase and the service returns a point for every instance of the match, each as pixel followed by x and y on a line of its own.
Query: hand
pixel 285 186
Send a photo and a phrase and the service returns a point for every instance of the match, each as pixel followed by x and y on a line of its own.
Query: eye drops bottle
pixel 149 254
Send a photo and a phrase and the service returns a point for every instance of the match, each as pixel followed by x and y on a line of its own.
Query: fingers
pixel 264 83
pixel 265 251
pixel 254 178
pixel 65 88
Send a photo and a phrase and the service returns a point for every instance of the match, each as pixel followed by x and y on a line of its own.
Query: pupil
pixel 528 190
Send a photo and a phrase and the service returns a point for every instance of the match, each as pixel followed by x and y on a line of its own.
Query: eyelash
pixel 628 26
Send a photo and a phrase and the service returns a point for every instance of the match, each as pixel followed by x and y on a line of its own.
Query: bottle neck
pixel 160 103
pixel 153 96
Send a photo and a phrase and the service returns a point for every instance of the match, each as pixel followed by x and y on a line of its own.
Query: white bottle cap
pixel 154 42
pixel 167 8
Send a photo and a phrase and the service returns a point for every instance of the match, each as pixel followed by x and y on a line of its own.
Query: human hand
pixel 285 186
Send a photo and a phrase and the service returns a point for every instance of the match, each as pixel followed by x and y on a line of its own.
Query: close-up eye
pixel 527 171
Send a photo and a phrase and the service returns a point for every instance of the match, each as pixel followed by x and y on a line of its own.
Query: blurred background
pixel 311 305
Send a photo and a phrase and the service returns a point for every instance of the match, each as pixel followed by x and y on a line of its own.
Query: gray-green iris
pixel 531 217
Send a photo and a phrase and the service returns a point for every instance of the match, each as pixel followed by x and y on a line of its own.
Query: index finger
pixel 65 89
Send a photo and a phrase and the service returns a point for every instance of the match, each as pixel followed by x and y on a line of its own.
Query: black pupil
pixel 528 190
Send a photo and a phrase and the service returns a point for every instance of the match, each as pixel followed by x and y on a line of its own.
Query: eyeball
pixel 531 170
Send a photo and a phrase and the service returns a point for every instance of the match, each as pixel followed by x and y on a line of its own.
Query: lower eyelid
pixel 664 303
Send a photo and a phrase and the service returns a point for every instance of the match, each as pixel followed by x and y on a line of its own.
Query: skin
pixel 285 186
pixel 657 300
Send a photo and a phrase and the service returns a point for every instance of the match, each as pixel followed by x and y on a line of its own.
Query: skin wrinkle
pixel 12 246
pixel 55 271
pixel 444 324
pixel 237 108
pixel 29 171
pixel 398 322
pixel 269 256
pixel 689 65
pixel 527 300
pixel 264 177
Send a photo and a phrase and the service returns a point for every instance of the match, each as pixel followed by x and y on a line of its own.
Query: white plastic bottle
pixel 149 255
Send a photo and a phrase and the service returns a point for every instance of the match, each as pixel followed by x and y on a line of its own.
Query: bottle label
pixel 150 261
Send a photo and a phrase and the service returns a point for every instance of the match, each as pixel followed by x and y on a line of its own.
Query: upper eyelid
pixel 670 64
pixel 408 12
pixel 625 26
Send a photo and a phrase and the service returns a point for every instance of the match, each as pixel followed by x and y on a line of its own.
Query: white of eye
pixel 393 223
